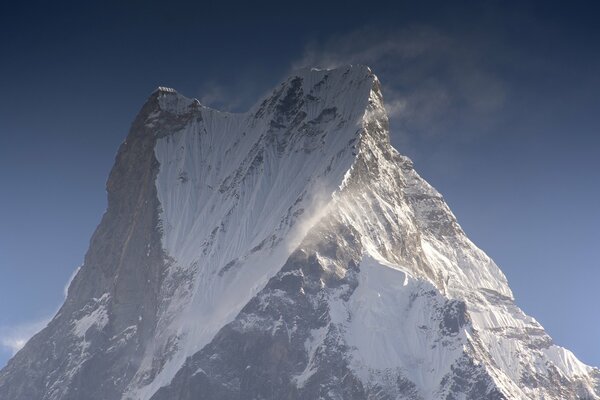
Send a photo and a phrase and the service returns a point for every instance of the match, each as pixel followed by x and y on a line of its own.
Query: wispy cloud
pixel 14 338
pixel 434 83
pixel 215 94
pixel 236 94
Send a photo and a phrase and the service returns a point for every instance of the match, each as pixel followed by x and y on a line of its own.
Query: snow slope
pixel 239 192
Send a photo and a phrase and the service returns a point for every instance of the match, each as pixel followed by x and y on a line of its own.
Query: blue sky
pixel 497 103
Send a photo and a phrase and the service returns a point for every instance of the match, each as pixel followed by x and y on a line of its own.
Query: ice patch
pixel 98 318
pixel 394 328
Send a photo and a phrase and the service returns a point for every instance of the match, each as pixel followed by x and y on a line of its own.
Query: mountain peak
pixel 164 89
pixel 266 254
pixel 355 72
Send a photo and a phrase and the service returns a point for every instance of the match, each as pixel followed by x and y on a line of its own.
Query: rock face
pixel 285 253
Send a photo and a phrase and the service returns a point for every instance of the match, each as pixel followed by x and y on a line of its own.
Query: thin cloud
pixel 236 94
pixel 434 83
pixel 14 338
pixel 216 95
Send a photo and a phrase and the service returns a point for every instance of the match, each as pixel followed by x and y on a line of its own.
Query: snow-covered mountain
pixel 285 253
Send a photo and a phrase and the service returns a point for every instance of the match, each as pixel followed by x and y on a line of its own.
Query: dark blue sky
pixel 497 103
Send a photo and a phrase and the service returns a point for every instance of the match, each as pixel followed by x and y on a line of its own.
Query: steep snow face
pixel 392 323
pixel 402 216
pixel 405 224
pixel 238 192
